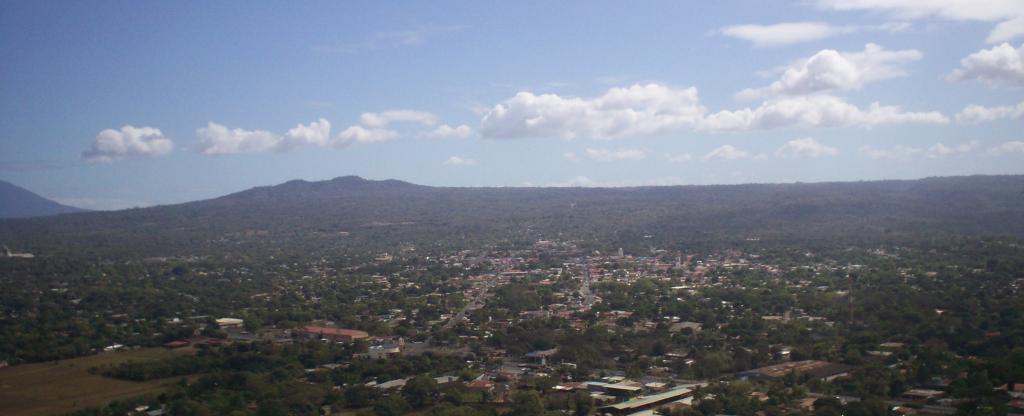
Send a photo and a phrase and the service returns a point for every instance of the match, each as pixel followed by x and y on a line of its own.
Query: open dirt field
pixel 66 385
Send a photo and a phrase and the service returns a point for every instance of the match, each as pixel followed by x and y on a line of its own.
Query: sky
pixel 109 105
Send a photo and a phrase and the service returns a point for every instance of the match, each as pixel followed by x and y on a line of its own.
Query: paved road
pixel 476 303
pixel 585 292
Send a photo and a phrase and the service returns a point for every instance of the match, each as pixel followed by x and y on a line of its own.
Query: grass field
pixel 66 385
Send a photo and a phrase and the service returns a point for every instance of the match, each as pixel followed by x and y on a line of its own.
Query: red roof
pixel 480 385
pixel 337 332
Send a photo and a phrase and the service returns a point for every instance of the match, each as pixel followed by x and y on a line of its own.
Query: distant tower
pixel 620 253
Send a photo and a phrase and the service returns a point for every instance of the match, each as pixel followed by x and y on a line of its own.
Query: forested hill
pixel 351 212
pixel 18 202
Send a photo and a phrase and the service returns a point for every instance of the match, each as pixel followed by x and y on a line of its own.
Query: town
pixel 555 327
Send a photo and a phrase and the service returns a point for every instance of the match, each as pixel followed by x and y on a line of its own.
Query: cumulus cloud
pixel 382 119
pixel 1009 148
pixel 605 155
pixel 1003 65
pixel 127 142
pixel 445 131
pixel 644 110
pixel 362 135
pixel 788 33
pixel 806 147
pixel 1006 31
pixel 216 139
pixel 973 114
pixel 814 111
pixel 939 150
pixel 830 70
pixel 1005 11
pixel 678 158
pixel 727 152
pixel 637 110
pixel 376 127
pixel 460 161
pixel 898 152
pixel 317 133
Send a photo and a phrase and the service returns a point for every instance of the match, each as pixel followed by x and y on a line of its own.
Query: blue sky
pixel 117 104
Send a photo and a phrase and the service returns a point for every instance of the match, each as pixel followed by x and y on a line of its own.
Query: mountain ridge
pixel 378 215
pixel 18 202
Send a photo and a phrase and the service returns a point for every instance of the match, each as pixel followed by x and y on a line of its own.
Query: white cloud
pixel 973 113
pixel 571 156
pixel 374 127
pixel 460 161
pixel 445 131
pixel 128 141
pixel 898 152
pixel 576 182
pixel 362 135
pixel 637 110
pixel 806 147
pixel 726 152
pixel 830 70
pixel 605 155
pixel 972 10
pixel 1000 66
pixel 644 110
pixel 789 33
pixel 216 139
pixel 1008 148
pixel 382 119
pixel 678 158
pixel 814 111
pixel 317 133
pixel 939 150
pixel 1007 31
pixel 781 34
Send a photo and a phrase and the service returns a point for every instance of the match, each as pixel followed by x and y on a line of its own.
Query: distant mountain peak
pixel 350 179
pixel 18 202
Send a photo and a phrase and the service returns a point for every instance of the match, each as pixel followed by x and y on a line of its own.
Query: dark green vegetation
pixel 18 202
pixel 320 217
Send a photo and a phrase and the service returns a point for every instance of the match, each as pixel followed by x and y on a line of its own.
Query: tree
pixel 391 406
pixel 527 403
pixel 420 391
pixel 582 403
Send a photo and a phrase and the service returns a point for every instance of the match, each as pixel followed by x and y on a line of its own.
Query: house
pixel 181 343
pixel 541 357
pixel 225 323
pixel 334 334
pixel 679 327
pixel 445 380
pixel 378 352
pixel 920 395
pixel 392 385
pixel 816 369
pixel 648 402
pixel 482 385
